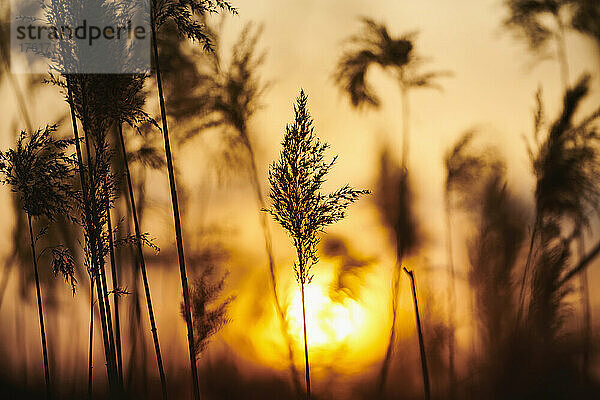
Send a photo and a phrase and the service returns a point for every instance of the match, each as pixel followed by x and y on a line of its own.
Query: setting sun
pixel 329 323
pixel 299 200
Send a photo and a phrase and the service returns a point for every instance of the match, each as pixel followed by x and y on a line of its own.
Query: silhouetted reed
pixel 297 202
pixel 425 370
pixel 375 46
pixel 184 15
pixel 39 172
pixel 394 200
pixel 462 166
pixel 208 318
pixel 229 96
pixel 565 166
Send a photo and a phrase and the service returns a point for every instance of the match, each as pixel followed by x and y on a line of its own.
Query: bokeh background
pixel 491 88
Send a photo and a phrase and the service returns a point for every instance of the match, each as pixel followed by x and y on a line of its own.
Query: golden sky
pixel 492 88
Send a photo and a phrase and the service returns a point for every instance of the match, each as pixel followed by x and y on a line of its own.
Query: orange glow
pixel 329 323
pixel 346 335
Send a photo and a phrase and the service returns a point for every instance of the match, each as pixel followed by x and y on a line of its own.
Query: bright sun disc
pixel 328 323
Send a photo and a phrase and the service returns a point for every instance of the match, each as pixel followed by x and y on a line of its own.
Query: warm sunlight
pixel 329 323
pixel 348 200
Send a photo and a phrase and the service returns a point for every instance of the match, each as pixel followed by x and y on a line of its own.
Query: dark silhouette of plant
pixel 568 177
pixel 565 167
pixel 119 98
pixel 493 254
pixel 89 100
pixel 91 339
pixel 125 106
pixel 375 46
pixel 298 204
pixel 184 15
pixel 394 200
pixel 565 163
pixel 229 97
pixel 101 101
pixel 463 166
pixel 208 319
pixel 527 19
pixel 586 19
pixel 39 171
pixel 427 390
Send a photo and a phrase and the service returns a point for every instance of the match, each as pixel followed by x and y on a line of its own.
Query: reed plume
pixel 39 172
pixel 297 202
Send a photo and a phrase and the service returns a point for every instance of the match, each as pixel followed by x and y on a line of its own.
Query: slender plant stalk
pixel 91 344
pixel 307 366
pixel 585 294
pixel 115 285
pixel 297 203
pixel 177 219
pixel 561 52
pixel 87 211
pixel 411 275
pixel 405 126
pixel 525 272
pixel 142 262
pixel 269 251
pixel 404 91
pixel 451 298
pixel 40 311
pixel 101 270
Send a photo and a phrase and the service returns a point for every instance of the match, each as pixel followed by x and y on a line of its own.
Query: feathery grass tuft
pixel 208 318
pixel 40 172
pixel 298 204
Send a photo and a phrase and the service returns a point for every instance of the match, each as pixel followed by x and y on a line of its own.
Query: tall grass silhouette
pixel 374 46
pixel 39 172
pixel 297 202
pixel 462 166
pixel 183 14
pixel 231 94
